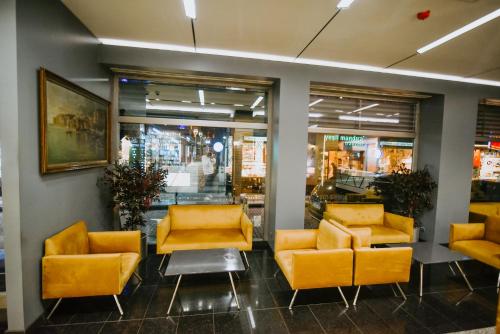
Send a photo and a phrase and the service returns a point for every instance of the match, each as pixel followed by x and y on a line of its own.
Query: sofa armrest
pixel 471 231
pixel 400 223
pixel 476 217
pixel 295 239
pixel 331 216
pixel 162 231
pixel 382 265
pixel 322 268
pixel 80 275
pixel 247 228
pixel 115 242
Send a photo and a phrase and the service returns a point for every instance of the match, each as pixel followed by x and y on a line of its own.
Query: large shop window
pixel 486 159
pixel 352 140
pixel 211 139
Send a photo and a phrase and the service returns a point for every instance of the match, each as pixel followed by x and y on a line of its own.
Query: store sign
pixel 348 140
pixel 495 145
pixel 396 143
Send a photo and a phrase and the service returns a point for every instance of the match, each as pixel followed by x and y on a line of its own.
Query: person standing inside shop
pixel 208 166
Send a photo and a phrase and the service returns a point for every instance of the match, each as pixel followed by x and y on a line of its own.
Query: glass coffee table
pixel 204 261
pixel 430 253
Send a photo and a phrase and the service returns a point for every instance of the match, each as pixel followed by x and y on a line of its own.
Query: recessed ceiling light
pixel 343 4
pixel 379 114
pixel 236 88
pixel 315 102
pixel 259 113
pixel 147 100
pixel 367 107
pixel 212 103
pixel 315 115
pixel 238 105
pixel 339 111
pixel 185 101
pixel 396 114
pixel 257 101
pixel 157 99
pixel 341 97
pixel 201 94
pixel 458 32
pixel 349 112
pixel 368 119
pixel 190 8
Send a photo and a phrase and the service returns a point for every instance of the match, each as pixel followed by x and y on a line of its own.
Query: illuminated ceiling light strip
pixel 463 30
pixel 315 102
pixel 304 61
pixel 259 113
pixel 343 4
pixel 366 107
pixel 193 109
pixel 236 88
pixel 369 119
pixel 257 101
pixel 201 94
pixel 190 8
pixel 315 115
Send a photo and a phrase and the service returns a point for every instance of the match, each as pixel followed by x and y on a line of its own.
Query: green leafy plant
pixel 406 192
pixel 133 188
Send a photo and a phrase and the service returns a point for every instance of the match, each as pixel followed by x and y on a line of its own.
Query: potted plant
pixel 133 188
pixel 406 192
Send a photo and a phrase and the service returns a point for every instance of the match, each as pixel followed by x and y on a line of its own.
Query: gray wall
pixel 447 147
pixel 48 35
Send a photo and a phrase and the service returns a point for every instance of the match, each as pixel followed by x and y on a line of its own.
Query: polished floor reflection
pixel 205 305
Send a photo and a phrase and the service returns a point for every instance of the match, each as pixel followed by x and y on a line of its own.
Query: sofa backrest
pixel 330 237
pixel 360 238
pixel 492 230
pixel 196 217
pixel 485 208
pixel 357 214
pixel 70 241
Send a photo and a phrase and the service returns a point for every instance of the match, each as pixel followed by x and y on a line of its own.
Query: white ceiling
pixel 370 32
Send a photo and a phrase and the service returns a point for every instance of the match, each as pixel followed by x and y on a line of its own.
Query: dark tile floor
pixel 205 305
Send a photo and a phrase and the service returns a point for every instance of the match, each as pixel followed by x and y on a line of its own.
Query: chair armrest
pixel 247 228
pixel 162 231
pixel 471 231
pixel 331 216
pixel 295 239
pixel 80 275
pixel 322 268
pixel 382 265
pixel 400 223
pixel 115 242
pixel 476 217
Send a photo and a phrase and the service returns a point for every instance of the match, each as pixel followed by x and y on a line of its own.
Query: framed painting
pixel 74 126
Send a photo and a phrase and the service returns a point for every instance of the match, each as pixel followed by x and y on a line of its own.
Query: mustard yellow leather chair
pixel 374 266
pixel 386 228
pixel 312 259
pixel 480 211
pixel 78 263
pixel 188 227
pixel 480 241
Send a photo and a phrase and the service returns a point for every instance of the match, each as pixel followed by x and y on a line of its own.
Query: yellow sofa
pixel 377 265
pixel 312 259
pixel 480 241
pixel 386 228
pixel 479 211
pixel 78 263
pixel 188 227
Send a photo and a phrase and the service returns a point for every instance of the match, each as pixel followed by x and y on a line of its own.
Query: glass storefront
pixel 212 140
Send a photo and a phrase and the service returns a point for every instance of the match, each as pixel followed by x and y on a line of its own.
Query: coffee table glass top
pixel 204 261
pixel 427 252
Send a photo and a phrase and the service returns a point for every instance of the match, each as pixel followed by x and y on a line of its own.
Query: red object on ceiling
pixel 424 15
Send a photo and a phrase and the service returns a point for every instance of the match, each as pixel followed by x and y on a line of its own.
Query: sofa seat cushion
pixel 284 260
pixel 205 239
pixel 384 235
pixel 482 250
pixel 129 262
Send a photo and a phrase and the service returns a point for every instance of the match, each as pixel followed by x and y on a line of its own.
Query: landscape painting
pixel 74 126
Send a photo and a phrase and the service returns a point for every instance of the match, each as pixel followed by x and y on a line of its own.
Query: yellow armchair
pixel 311 259
pixel 74 258
pixel 189 227
pixel 386 228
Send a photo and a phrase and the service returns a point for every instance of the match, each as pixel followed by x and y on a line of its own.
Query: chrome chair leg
pixel 343 297
pixel 137 276
pixel 234 290
pixel 463 275
pixel 401 291
pixel 356 295
pixel 498 281
pixel 451 269
pixel 54 308
pixel 278 270
pixel 161 263
pixel 246 260
pixel 118 304
pixel 293 299
pixel 175 292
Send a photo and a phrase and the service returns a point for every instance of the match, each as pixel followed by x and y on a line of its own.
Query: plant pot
pixel 416 234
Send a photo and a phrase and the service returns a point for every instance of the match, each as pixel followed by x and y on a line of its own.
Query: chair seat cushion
pixel 129 261
pixel 284 260
pixel 384 235
pixel 205 239
pixel 482 250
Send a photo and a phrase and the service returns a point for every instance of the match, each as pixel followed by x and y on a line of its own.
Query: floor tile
pixel 196 324
pixel 267 321
pixel 159 326
pixel 333 318
pixel 233 322
pixel 300 319
pixel 121 327
pixel 134 303
pixel 71 329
